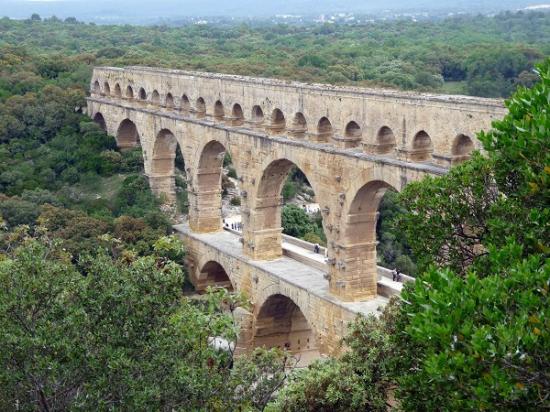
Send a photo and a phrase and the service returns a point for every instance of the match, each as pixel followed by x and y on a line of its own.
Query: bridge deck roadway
pixel 284 269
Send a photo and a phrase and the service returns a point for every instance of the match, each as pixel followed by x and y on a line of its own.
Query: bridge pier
pixel 354 275
pixel 164 187
pixel 205 210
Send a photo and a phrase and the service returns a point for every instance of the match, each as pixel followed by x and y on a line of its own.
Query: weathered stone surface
pixel 352 144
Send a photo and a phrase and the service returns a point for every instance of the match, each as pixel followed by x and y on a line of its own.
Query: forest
pixel 94 309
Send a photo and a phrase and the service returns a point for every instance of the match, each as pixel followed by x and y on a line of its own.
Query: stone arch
pixel 355 274
pixel 422 147
pixel 162 176
pixel 200 107
pixel 299 126
pixel 185 105
pixel 266 227
pixel 385 141
pixel 142 95
pixel 277 124
pixel 155 97
pixel 219 111
pixel 237 115
pixel 462 149
pixel 169 101
pixel 127 135
pixel 324 129
pixel 106 89
pixel 129 92
pixel 96 88
pixel 257 116
pixel 352 135
pixel 164 153
pixel 118 91
pixel 353 130
pixel 206 197
pixel 100 120
pixel 281 323
pixel 363 211
pixel 213 274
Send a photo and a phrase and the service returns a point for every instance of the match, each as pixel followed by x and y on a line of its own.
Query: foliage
pixel 475 329
pixel 477 343
pixel 393 251
pixel 297 223
pixel 457 217
pixel 358 381
pixel 119 337
pixel 472 333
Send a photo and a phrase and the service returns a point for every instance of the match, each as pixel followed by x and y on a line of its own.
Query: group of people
pixel 234 225
pixel 396 275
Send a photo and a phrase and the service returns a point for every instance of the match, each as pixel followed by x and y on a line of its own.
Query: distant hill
pixel 146 10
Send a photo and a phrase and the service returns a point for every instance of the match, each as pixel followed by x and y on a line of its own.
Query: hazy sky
pixel 132 9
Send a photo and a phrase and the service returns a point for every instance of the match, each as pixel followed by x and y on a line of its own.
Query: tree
pixel 474 329
pixel 119 335
pixel 296 221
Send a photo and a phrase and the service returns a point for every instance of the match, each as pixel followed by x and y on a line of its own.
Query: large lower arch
pixel 212 274
pixel 354 275
pixel 206 197
pixel 162 170
pixel 263 236
pixel 280 323
pixel 127 135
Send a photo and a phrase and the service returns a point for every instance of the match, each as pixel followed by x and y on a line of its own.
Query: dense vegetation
pixel 485 56
pixel 91 305
pixel 472 332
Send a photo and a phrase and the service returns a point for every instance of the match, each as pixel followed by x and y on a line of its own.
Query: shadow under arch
pixel 96 88
pixel 100 121
pixel 127 135
pixel 385 141
pixel 462 149
pixel 267 207
pixel 213 274
pixel 422 147
pixel 280 323
pixel 129 92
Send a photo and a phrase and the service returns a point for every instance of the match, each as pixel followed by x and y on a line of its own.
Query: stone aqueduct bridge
pixel 352 144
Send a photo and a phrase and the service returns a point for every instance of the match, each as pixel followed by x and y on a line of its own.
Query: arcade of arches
pixel 295 305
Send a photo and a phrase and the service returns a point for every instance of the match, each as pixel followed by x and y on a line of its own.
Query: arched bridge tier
pixel 351 144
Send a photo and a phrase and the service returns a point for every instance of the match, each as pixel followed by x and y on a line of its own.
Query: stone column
pixel 205 201
pixel 163 186
pixel 262 236
pixel 353 270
